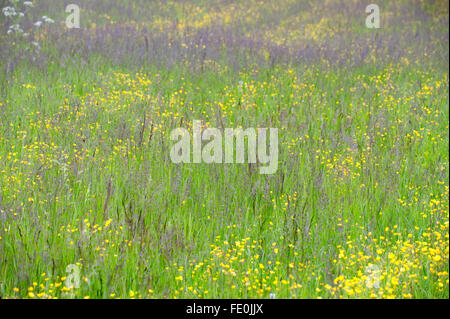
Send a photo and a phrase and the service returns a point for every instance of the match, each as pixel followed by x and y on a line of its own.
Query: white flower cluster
pixel 14 13
pixel 45 19
pixel 15 28
pixel 9 11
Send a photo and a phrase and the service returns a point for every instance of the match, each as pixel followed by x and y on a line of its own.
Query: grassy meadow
pixel 359 204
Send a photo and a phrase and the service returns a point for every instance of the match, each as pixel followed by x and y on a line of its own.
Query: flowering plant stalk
pixel 21 30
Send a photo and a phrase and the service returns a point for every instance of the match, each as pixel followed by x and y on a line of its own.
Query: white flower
pixel 48 20
pixel 38 23
pixel 15 27
pixel 28 4
pixel 9 11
